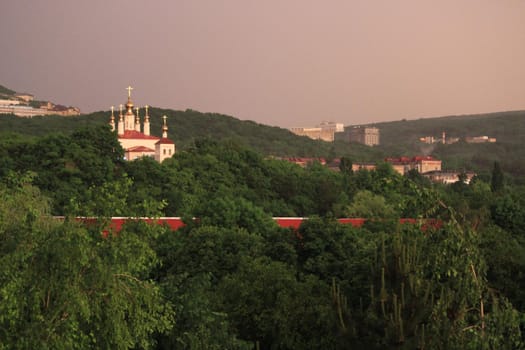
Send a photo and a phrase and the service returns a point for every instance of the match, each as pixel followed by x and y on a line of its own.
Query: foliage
pixel 451 277
pixel 496 183
pixel 430 291
pixel 62 286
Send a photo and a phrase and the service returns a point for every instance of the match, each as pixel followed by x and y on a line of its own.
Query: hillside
pixel 397 138
pixel 6 92
pixel 187 126
pixel 402 138
pixel 505 126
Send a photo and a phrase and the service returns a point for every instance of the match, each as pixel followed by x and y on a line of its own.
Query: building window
pixel 164 151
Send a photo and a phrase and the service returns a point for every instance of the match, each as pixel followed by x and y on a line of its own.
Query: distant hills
pixel 398 138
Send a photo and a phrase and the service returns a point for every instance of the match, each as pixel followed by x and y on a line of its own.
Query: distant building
pixel 138 144
pixel 21 110
pixel 24 97
pixel 20 107
pixel 363 166
pixel 428 139
pixel 313 133
pixel 304 161
pixel 479 139
pixel 366 135
pixel 28 111
pixel 448 176
pixel 8 102
pixel 64 111
pixel 324 131
pixel 422 164
pixel 443 139
pixel 336 163
pixel 331 126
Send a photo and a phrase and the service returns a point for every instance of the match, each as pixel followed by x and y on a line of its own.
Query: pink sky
pixel 277 62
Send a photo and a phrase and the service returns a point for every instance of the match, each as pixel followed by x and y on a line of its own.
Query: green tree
pixel 430 291
pixel 371 206
pixel 345 165
pixel 497 180
pixel 273 309
pixel 62 286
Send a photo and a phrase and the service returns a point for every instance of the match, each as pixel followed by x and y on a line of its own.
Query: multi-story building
pixel 28 111
pixel 19 105
pixel 366 135
pixel 422 164
pixel 324 131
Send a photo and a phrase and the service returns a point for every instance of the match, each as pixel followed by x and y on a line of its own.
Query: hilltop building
pixel 324 131
pixel 366 135
pixel 19 104
pixel 479 139
pixel 24 96
pixel 137 143
pixel 450 140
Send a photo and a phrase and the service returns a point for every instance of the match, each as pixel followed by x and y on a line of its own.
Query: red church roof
pixel 165 141
pixel 132 134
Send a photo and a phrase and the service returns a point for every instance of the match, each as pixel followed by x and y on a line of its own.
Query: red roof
pixel 165 141
pixel 132 134
pixel 140 149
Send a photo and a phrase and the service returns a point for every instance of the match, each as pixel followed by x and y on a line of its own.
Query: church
pixel 137 143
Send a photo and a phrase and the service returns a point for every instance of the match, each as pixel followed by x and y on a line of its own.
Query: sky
pixel 277 62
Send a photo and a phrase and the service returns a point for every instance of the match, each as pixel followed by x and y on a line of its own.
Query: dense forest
pixel 233 279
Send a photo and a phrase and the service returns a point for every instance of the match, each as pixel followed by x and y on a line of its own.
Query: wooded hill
pixel 402 138
pixel 399 138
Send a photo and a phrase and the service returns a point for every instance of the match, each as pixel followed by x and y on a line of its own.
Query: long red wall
pixel 294 222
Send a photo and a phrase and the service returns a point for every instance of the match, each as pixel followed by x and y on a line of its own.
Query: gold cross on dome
pixel 129 88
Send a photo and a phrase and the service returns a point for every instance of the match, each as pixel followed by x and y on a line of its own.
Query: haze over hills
pixel 398 138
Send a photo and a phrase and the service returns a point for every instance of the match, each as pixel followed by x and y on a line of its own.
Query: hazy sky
pixel 277 62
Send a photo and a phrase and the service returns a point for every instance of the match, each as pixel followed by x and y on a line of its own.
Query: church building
pixel 137 143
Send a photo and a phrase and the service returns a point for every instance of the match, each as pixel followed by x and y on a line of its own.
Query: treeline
pixel 235 280
pixel 185 127
pixel 400 138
